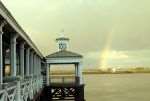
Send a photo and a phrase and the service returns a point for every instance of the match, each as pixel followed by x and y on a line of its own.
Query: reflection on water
pixel 117 87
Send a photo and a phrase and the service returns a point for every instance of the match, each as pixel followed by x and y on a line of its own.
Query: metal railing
pixel 63 79
pixel 21 90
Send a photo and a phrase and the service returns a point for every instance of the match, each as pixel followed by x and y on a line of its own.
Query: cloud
pixel 87 23
pixel 118 55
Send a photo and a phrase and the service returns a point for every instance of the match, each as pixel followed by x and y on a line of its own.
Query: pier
pixel 25 72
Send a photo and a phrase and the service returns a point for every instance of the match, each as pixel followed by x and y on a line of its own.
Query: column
pixel 1 56
pixel 76 69
pixel 39 66
pixel 77 75
pixel 47 74
pixel 13 55
pixel 27 61
pixel 22 59
pixel 80 72
pixel 34 64
pixel 1 51
pixel 28 58
pixel 31 63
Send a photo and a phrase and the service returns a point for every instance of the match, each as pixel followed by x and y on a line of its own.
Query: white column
pixel 34 64
pixel 27 61
pixel 13 55
pixel 47 73
pixel 37 69
pixel 39 66
pixel 1 58
pixel 80 72
pixel 1 51
pixel 76 70
pixel 31 63
pixel 22 59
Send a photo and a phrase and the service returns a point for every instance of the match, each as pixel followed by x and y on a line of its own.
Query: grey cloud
pixel 87 23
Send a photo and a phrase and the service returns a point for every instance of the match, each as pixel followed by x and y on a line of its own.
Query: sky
pixel 108 33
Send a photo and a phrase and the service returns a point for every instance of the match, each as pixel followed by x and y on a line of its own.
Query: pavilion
pixel 68 88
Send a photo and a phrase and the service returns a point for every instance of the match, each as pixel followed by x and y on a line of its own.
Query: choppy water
pixel 117 87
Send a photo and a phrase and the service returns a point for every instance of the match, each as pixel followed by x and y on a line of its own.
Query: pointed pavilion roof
pixel 64 54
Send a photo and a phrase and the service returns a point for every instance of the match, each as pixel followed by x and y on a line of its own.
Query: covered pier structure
pixel 20 61
pixel 25 72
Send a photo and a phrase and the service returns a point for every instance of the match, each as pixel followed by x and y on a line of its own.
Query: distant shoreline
pixel 93 73
pixel 100 72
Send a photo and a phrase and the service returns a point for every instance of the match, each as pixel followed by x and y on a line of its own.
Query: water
pixel 117 87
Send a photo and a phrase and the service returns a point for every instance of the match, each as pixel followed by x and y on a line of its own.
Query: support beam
pixel 27 62
pixel 22 59
pixel 13 55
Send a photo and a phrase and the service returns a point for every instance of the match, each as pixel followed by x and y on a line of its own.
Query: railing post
pixel 31 88
pixel 18 91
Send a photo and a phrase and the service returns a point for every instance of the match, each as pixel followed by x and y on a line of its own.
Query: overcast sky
pixel 106 32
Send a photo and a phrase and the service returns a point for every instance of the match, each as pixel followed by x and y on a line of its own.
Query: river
pixel 117 87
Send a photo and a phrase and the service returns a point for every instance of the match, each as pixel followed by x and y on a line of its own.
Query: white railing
pixel 63 79
pixel 21 90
